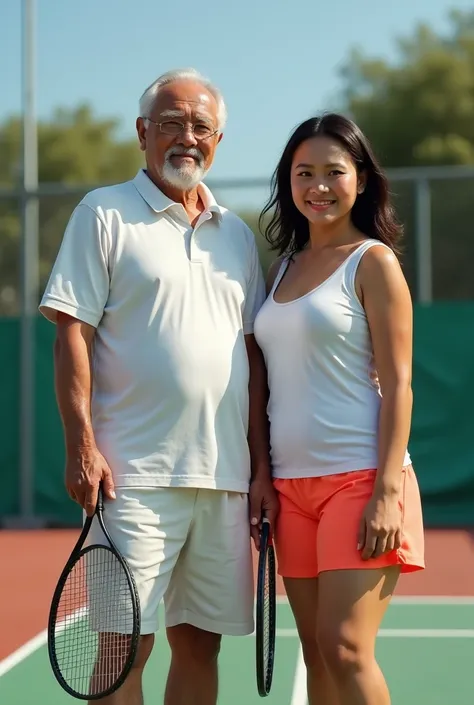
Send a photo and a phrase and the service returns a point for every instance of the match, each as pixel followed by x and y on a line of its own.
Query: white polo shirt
pixel 171 305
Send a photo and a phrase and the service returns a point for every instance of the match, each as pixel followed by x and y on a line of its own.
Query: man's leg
pixel 210 594
pixel 149 527
pixel 192 678
pixel 130 693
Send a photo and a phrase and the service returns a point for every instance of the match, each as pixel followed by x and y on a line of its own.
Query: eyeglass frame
pixel 183 125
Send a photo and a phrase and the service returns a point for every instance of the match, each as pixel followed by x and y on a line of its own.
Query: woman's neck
pixel 336 234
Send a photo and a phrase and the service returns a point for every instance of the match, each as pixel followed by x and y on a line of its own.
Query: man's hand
pixel 86 468
pixel 263 502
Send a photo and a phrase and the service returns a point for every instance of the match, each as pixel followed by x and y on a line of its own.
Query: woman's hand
pixel 380 528
pixel 263 502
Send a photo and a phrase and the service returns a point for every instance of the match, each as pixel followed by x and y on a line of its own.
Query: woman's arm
pixel 387 302
pixel 386 299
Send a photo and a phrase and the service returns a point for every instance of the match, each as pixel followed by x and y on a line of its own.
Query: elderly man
pixel 162 388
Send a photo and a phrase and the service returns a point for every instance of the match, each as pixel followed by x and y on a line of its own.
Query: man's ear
pixel 141 132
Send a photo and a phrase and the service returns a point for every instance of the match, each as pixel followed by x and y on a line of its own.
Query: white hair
pixel 148 97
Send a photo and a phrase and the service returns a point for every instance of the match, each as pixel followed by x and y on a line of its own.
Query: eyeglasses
pixel 172 127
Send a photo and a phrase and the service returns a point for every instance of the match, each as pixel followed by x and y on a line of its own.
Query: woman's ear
pixel 361 182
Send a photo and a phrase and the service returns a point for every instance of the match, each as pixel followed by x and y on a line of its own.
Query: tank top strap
pixel 280 273
pixel 350 266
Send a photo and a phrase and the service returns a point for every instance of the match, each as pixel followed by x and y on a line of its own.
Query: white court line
pixel 23 652
pixel 402 633
pixel 27 649
pixel 298 695
pixel 432 600
pixel 427 633
pixel 413 600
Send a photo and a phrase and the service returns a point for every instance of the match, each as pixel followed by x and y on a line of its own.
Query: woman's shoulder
pixel 378 254
pixel 380 273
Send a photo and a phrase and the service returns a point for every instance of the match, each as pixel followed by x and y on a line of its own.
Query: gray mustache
pixel 191 152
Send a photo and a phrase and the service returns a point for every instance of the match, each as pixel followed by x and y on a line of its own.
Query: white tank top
pixel 324 398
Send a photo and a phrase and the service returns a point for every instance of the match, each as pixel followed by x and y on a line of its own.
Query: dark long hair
pixel 372 213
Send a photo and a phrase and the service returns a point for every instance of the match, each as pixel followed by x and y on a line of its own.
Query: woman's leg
pixel 351 605
pixel 295 539
pixel 303 597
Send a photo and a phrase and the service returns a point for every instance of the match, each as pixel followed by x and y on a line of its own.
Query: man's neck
pixel 190 200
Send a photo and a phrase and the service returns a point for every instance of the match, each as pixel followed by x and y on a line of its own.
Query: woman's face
pixel 324 180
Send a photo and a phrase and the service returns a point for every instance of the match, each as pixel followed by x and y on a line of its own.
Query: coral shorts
pixel 319 521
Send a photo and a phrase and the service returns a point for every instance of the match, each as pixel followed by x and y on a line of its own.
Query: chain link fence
pixel 436 206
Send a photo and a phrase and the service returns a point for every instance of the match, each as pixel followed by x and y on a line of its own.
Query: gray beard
pixel 183 178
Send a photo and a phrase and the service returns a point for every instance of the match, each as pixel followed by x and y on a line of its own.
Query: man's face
pixel 181 157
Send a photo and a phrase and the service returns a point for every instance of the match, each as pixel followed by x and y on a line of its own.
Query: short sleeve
pixel 256 293
pixel 79 281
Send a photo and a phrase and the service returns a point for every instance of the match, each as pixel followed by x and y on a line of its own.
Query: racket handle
pixel 100 498
pixel 265 520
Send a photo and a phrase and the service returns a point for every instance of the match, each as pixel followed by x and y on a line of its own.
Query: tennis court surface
pixel 425 646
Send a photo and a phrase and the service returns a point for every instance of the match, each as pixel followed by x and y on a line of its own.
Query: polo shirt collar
pixel 157 200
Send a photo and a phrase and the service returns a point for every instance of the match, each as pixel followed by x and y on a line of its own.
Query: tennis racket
pixel 94 619
pixel 265 612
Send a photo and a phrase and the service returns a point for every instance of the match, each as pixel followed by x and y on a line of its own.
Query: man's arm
pixel 259 430
pixel 263 498
pixel 73 379
pixel 74 300
pixel 85 466
pixel 259 427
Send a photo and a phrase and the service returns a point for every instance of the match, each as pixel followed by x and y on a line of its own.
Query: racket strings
pixel 94 622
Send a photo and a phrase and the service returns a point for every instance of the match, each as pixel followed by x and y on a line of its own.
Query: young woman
pixel 336 334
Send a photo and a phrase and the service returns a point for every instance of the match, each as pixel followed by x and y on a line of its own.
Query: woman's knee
pixel 312 656
pixel 191 644
pixel 351 607
pixel 343 651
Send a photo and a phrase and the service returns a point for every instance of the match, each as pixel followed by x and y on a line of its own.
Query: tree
pixel 416 111
pixel 419 111
pixel 74 148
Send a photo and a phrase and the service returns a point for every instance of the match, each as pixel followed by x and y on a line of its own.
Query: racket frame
pixel 266 557
pixel 76 554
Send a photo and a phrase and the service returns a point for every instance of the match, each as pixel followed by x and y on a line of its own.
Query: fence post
pixel 29 272
pixel 423 244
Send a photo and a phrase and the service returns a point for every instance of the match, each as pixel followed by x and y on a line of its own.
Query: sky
pixel 276 61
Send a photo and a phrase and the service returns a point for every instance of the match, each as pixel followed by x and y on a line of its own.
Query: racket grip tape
pixel 100 498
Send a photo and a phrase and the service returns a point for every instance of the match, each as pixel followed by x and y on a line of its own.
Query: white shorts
pixel 189 547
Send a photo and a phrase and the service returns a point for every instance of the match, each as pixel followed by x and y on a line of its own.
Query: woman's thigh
pixel 351 607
